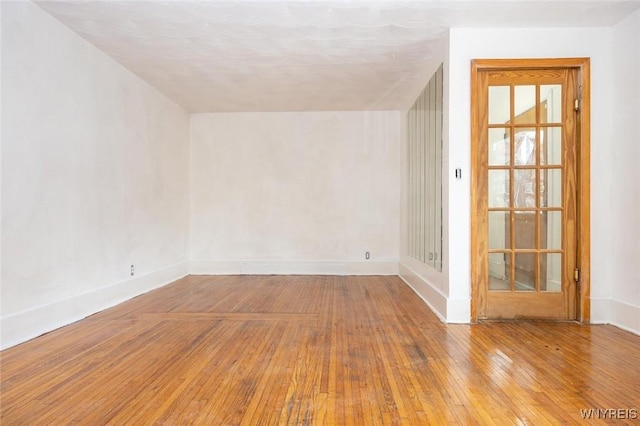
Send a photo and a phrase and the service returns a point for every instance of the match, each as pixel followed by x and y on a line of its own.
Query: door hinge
pixel 576 275
pixel 576 105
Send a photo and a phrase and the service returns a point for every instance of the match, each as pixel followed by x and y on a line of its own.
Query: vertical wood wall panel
pixel 424 135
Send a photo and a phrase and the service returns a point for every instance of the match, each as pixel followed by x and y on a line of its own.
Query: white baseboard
pixel 25 325
pixel 458 311
pixel 436 301
pixel 625 316
pixel 620 314
pixel 276 267
pixel 600 311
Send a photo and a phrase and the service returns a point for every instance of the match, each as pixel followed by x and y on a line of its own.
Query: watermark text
pixel 609 413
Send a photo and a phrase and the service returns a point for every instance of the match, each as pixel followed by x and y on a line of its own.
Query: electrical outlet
pixel 367 255
pixel 133 271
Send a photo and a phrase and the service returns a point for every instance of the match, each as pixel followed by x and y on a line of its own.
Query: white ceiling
pixel 213 56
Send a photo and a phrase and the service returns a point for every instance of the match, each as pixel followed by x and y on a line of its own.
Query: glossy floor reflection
pixel 312 350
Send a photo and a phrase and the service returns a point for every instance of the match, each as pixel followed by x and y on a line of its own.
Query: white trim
pixel 600 311
pixel 434 299
pixel 283 267
pixel 625 316
pixel 25 325
pixel 458 311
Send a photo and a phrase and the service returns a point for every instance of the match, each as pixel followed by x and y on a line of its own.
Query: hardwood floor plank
pixel 294 350
pixel 227 316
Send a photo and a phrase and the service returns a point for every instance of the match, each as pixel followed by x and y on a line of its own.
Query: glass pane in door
pixel 551 188
pixel 499 188
pixel 525 147
pixel 525 270
pixel 551 272
pixel 499 147
pixel 524 104
pixel 525 230
pixel 499 104
pixel 499 230
pixel 524 188
pixel 550 230
pixel 551 103
pixel 550 146
pixel 500 271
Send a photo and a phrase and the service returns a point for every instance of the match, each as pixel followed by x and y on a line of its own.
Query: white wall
pixel 295 192
pixel 94 178
pixel 469 43
pixel 0 178
pixel 623 212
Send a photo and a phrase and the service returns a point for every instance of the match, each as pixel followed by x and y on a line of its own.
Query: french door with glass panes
pixel 525 193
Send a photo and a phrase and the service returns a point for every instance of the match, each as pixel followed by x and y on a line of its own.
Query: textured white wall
pixel 305 192
pixel 94 178
pixel 1 177
pixel 596 43
pixel 624 188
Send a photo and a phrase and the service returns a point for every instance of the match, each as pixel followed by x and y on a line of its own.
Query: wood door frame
pixel 583 313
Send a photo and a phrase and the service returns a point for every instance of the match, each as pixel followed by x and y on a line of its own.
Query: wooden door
pixel 525 232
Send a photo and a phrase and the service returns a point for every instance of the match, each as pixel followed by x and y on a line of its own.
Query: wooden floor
pixel 313 350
